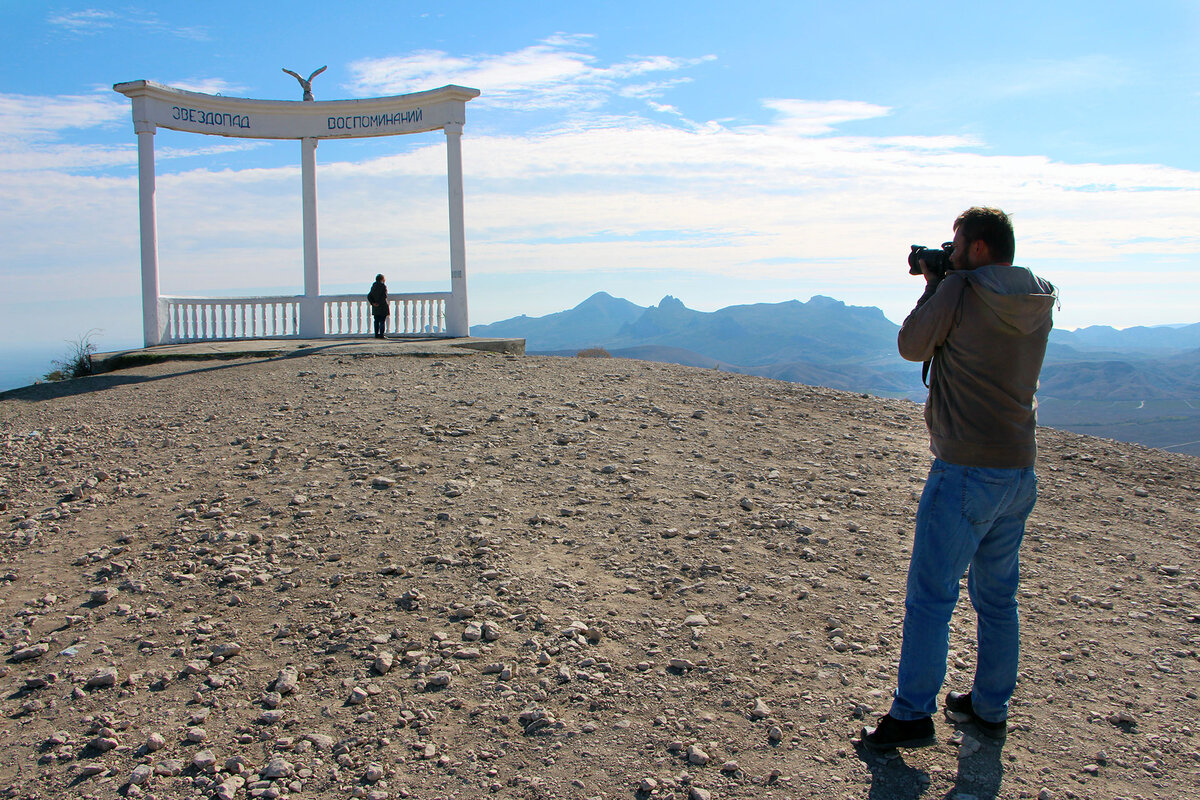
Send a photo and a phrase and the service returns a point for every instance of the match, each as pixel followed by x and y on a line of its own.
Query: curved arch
pixel 157 106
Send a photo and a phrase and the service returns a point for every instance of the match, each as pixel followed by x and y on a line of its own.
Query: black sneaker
pixel 891 733
pixel 959 709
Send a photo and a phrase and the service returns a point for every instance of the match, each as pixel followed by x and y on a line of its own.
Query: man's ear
pixel 980 252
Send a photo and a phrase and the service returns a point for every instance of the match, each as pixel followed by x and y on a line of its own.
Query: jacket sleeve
pixel 928 325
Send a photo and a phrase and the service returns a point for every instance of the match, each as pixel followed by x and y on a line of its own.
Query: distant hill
pixel 1156 340
pixel 593 321
pixel 1139 384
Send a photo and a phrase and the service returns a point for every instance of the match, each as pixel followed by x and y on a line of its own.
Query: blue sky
pixel 720 152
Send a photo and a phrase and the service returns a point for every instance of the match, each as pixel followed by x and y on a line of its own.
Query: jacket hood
pixel 1017 296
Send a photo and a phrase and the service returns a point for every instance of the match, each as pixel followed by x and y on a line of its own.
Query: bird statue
pixel 306 85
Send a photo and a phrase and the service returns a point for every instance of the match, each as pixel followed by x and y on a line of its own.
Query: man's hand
pixel 930 276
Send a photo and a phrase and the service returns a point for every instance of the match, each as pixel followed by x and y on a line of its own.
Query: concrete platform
pixel 276 348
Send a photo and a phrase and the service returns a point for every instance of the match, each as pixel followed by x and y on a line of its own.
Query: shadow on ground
pixel 73 387
pixel 979 776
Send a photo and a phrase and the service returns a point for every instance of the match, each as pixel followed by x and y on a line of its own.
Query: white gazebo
pixel 311 315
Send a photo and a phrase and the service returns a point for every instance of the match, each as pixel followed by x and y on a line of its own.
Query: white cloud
pixel 1062 76
pixel 35 116
pixel 93 21
pixel 209 86
pixel 555 73
pixel 812 117
pixel 88 20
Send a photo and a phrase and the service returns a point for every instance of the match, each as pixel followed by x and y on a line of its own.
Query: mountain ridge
pixel 1135 385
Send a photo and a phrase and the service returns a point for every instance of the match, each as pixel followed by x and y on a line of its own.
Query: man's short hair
pixel 993 227
pixel 379 277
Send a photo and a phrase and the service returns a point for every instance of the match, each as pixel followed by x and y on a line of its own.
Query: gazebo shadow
pixel 103 381
pixel 74 387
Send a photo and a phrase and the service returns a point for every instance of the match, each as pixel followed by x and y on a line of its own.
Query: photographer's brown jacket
pixel 985 331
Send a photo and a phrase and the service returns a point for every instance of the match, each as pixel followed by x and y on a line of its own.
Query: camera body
pixel 938 260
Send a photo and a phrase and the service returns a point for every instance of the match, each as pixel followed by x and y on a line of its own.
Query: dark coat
pixel 377 297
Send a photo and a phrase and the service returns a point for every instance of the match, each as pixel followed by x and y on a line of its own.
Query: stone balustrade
pixel 195 319
pixel 422 314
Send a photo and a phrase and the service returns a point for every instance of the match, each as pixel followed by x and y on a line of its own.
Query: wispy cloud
pixel 558 72
pixel 95 21
pixel 1058 76
pixel 31 115
pixel 88 20
pixel 209 86
pixel 812 117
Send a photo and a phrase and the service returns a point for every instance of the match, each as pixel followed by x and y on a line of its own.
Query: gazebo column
pixel 312 321
pixel 456 311
pixel 154 324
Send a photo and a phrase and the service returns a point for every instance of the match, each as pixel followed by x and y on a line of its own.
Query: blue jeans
pixel 968 517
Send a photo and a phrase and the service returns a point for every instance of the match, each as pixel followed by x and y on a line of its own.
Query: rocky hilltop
pixel 493 576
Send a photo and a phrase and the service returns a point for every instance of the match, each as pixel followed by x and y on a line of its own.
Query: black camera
pixel 938 261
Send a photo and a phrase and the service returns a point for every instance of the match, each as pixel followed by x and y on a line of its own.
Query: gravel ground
pixel 494 576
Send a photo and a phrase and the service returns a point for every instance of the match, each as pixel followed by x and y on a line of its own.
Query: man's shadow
pixel 979 775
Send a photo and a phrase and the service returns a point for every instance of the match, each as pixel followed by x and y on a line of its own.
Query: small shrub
pixel 78 360
pixel 594 352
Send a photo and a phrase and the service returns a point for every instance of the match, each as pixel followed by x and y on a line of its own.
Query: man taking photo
pixel 983 328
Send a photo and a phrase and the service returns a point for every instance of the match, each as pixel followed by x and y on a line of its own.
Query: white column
pixel 312 323
pixel 154 324
pixel 456 311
